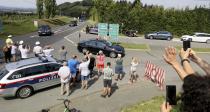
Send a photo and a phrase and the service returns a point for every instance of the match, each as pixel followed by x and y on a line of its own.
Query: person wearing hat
pixel 9 40
pixel 20 45
pixel 37 49
pixel 100 62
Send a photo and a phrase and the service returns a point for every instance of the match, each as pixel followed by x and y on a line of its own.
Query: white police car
pixel 22 78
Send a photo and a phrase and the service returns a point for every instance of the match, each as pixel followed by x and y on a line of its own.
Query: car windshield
pixel 109 43
pixel 3 72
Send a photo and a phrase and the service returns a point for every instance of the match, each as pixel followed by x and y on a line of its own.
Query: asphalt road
pixel 69 37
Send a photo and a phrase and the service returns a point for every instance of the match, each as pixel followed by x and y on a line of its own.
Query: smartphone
pixel 186 44
pixel 171 94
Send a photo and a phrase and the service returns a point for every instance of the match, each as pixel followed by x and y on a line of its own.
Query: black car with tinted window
pixel 44 30
pixel 94 46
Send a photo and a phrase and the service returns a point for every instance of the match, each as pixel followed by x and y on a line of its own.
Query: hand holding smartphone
pixel 171 94
pixel 186 44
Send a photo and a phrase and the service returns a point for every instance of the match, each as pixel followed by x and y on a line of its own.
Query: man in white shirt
pixel 84 70
pixel 65 76
pixel 37 49
pixel 48 51
pixel 20 45
pixel 25 52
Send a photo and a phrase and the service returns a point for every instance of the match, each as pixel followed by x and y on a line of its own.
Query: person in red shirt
pixel 100 62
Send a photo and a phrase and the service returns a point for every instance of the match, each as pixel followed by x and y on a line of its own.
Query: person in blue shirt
pixel 73 65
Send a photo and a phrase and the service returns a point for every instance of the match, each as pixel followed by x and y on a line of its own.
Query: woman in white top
pixel 25 52
pixel 84 70
pixel 48 51
pixel 133 73
pixel 14 51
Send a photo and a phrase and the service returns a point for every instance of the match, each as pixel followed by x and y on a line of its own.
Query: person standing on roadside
pixel 100 62
pixel 84 71
pixel 7 52
pixel 37 49
pixel 20 45
pixel 65 76
pixel 133 73
pixel 119 67
pixel 48 51
pixel 73 64
pixel 14 51
pixel 108 73
pixel 63 53
pixel 25 52
pixel 9 40
pixel 92 64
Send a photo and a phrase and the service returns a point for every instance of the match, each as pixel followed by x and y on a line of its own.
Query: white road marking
pixel 69 36
pixel 33 36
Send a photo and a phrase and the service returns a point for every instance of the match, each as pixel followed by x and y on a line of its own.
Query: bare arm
pixel 185 61
pixel 170 58
pixel 203 64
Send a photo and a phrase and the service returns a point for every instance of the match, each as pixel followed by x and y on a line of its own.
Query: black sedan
pixel 44 30
pixel 94 46
pixel 164 35
pixel 73 23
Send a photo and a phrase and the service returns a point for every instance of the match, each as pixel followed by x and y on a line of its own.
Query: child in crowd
pixel 133 73
pixel 108 73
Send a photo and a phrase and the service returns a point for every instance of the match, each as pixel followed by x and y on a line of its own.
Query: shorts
pixel 107 83
pixel 73 75
pixel 100 66
pixel 84 77
pixel 119 69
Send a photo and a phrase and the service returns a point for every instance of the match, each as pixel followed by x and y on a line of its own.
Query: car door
pixel 102 46
pixel 91 46
pixel 30 76
pixel 198 38
pixel 53 71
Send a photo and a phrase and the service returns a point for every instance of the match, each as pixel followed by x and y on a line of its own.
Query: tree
pixel 39 5
pixel 48 8
pixel 54 8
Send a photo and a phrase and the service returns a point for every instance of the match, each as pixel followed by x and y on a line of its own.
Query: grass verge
pixel 26 25
pixel 199 50
pixel 152 105
pixel 134 46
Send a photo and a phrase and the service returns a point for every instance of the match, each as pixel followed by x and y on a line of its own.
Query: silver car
pixel 22 78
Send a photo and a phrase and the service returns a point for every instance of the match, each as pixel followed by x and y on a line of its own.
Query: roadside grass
pixel 25 25
pixel 152 105
pixel 134 46
pixel 199 50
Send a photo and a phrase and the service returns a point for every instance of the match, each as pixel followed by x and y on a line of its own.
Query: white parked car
pixel 197 37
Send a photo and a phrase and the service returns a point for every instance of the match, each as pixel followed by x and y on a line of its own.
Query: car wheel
pixel 84 50
pixel 208 41
pixel 112 54
pixel 24 92
pixel 150 37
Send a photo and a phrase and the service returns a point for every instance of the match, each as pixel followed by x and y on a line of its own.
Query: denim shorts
pixel 84 78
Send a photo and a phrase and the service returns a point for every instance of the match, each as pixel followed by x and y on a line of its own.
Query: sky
pixel 166 3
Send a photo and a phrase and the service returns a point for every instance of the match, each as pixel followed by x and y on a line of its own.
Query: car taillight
pixel 2 86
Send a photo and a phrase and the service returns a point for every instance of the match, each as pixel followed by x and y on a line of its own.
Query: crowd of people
pixel 15 51
pixel 196 88
pixel 85 69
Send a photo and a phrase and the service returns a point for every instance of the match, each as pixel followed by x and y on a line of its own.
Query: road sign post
pixel 114 32
pixel 102 29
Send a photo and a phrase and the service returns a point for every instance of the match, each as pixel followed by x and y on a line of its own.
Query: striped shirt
pixel 108 73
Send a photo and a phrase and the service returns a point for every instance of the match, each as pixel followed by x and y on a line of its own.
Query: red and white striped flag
pixel 148 70
pixel 160 77
pixel 155 74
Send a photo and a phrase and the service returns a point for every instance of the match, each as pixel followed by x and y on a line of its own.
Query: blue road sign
pixel 102 29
